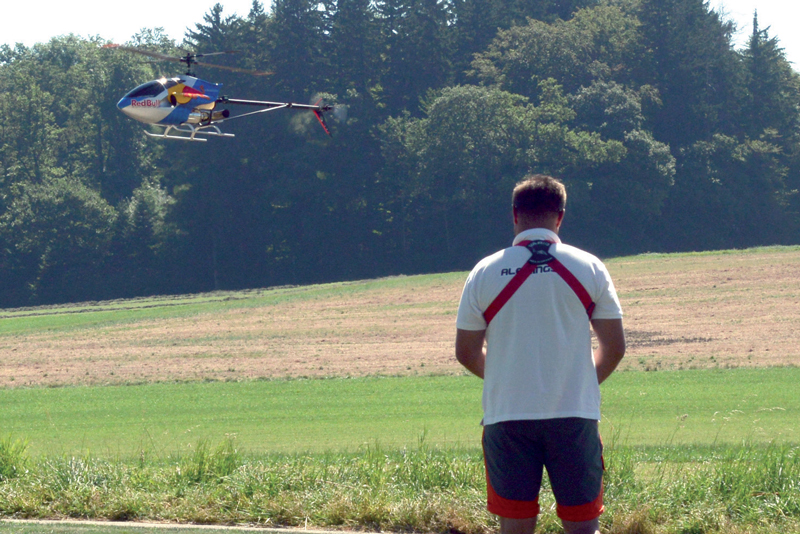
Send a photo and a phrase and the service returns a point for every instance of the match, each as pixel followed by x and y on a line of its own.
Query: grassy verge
pixel 82 527
pixel 71 526
pixel 420 489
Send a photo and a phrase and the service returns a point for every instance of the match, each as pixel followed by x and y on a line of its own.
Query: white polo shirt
pixel 539 361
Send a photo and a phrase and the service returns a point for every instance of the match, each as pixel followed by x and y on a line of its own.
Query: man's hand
pixel 469 350
pixel 611 349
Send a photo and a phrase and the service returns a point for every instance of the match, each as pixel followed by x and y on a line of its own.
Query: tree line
pixel 667 137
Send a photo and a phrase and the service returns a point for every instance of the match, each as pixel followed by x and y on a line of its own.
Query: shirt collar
pixel 533 234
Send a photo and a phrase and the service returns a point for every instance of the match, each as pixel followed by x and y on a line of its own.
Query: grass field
pixel 341 405
pixel 701 407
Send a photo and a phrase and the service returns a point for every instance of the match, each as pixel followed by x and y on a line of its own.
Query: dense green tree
pixel 138 263
pixel 476 25
pixel 667 138
pixel 256 38
pixel 721 185
pixel 609 108
pixel 216 33
pixel 691 62
pixel 600 43
pixel 296 49
pixel 452 170
pixel 417 49
pixel 29 132
pixel 772 89
pixel 457 165
pixel 547 10
pixel 519 58
pixel 626 197
pixel 354 47
pixel 57 235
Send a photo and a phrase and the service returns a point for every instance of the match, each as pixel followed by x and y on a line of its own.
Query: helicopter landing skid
pixel 192 131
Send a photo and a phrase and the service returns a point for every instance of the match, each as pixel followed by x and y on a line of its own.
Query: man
pixel 533 304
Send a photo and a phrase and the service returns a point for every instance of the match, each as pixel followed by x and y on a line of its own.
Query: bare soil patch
pixel 682 311
pixel 382 331
pixel 711 310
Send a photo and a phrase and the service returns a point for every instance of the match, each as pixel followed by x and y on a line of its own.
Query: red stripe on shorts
pixel 507 507
pixel 583 512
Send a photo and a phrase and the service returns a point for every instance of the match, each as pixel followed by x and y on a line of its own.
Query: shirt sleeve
pixel 607 306
pixel 470 314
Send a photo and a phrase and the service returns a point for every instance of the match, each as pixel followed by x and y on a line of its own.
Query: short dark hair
pixel 539 194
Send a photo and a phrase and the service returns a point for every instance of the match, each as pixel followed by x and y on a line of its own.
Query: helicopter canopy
pixel 152 89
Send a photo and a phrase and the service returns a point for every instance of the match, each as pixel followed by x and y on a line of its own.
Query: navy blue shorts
pixel 516 452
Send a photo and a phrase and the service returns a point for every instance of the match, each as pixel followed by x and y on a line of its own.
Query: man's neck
pixel 550 222
pixel 519 228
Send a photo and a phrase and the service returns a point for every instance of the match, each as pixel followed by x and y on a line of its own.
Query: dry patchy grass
pixel 681 311
pixel 711 310
pixel 388 330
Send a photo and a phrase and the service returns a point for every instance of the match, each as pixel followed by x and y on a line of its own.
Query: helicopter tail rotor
pixel 319 111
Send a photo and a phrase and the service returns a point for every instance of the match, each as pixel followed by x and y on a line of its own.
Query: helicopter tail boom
pixel 265 104
pixel 318 109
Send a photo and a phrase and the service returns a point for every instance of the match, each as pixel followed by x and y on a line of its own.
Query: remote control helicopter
pixel 187 107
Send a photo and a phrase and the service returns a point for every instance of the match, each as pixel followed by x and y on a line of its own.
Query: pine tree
pixel 296 51
pixel 773 88
pixel 217 32
pixel 694 67
pixel 354 46
pixel 417 50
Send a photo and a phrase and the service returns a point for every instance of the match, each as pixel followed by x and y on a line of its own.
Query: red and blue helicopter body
pixel 186 106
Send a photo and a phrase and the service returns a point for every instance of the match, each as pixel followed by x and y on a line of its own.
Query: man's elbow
pixel 619 348
pixel 469 350
pixel 465 354
pixel 610 337
pixel 614 348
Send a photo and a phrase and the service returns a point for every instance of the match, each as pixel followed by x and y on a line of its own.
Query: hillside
pixel 722 309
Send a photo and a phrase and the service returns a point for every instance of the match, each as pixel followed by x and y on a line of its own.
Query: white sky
pixel 40 20
pixel 119 21
pixel 779 16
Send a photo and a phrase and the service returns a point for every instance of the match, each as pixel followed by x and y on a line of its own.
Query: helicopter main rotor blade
pixel 189 59
pixel 144 52
pixel 233 69
pixel 214 53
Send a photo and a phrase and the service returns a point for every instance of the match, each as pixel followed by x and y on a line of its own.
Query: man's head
pixel 538 201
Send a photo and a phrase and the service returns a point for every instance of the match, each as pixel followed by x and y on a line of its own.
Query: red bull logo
pixel 194 93
pixel 145 103
pixel 183 93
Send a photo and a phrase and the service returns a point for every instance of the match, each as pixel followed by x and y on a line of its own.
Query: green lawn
pixel 698 407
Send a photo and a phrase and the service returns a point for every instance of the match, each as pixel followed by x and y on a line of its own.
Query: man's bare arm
pixel 611 349
pixel 469 350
